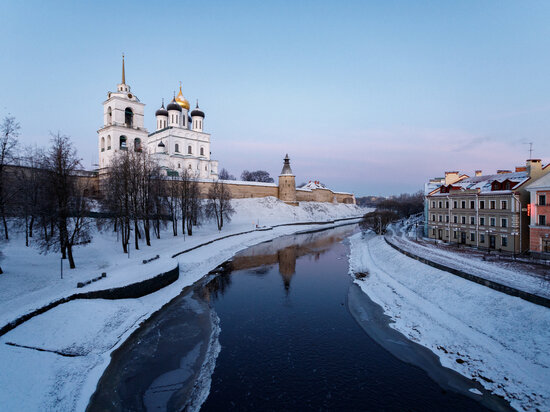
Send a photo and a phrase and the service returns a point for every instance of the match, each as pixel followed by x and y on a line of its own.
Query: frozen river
pixel 281 328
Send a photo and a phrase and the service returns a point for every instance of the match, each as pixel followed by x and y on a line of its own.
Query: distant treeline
pixel 389 210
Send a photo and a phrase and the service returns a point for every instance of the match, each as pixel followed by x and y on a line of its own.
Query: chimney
pixel 451 177
pixel 479 172
pixel 534 168
pixel 503 172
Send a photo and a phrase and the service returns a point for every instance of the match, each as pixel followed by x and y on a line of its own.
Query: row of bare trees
pixel 46 192
pixel 141 197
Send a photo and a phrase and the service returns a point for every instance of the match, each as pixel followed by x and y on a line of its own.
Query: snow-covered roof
pixel 541 183
pixel 314 185
pixel 484 184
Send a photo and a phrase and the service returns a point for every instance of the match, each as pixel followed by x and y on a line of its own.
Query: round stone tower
pixel 287 184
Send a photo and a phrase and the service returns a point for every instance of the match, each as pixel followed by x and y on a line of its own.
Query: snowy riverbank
pixel 53 361
pixel 501 341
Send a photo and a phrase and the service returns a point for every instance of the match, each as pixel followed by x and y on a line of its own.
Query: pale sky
pixel 369 97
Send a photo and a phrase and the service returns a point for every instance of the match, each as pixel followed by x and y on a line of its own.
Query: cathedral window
pixel 128 117
pixel 189 167
pixel 137 144
pixel 177 148
pixel 102 144
pixel 109 115
pixel 202 151
pixel 109 142
pixel 189 150
pixel 123 143
pixel 179 165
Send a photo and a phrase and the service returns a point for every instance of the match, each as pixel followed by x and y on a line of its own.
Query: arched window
pixel 189 150
pixel 102 144
pixel 179 165
pixel 109 115
pixel 177 148
pixel 206 168
pixel 128 117
pixel 189 167
pixel 123 143
pixel 109 142
pixel 202 151
pixel 137 144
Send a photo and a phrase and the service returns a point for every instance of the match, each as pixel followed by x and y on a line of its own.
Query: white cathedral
pixel 178 143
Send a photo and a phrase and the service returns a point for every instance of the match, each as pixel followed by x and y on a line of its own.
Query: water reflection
pixel 283 251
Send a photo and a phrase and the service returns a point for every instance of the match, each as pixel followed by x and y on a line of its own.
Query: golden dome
pixel 182 101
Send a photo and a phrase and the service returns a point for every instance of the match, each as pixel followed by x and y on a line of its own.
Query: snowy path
pixel 501 341
pixel 496 271
pixel 75 340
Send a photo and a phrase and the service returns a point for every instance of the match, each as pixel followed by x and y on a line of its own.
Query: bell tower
pixel 123 123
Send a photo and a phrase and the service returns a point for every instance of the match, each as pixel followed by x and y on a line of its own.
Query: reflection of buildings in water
pixel 218 285
pixel 287 249
pixel 287 264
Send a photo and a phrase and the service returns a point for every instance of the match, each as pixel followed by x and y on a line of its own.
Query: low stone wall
pixel 134 290
pixel 536 299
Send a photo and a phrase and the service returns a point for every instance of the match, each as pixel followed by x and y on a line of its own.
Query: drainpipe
pixel 519 223
pixel 477 220
pixel 449 215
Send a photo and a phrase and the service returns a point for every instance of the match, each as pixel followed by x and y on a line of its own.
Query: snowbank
pixel 499 340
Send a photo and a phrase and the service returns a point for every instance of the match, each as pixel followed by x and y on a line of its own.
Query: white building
pixel 178 143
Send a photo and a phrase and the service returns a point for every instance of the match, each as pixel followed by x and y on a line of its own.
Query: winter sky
pixel 369 97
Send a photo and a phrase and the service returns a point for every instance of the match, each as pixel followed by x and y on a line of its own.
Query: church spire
pixel 123 72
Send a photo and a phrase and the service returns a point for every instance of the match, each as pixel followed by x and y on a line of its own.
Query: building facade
pixel 485 211
pixel 539 211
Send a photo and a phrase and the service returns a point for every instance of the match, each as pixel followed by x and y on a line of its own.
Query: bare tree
pixel 256 176
pixel 9 130
pixel 218 205
pixel 70 208
pixel 225 175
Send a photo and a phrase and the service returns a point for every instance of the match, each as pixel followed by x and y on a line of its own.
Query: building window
pixel 189 150
pixel 440 204
pixel 206 168
pixel 455 234
pixel 504 204
pixel 493 221
pixel 433 204
pixel 433 231
pixel 455 219
pixel 137 144
pixel 463 203
pixel 542 200
pixel 542 220
pixel 123 143
pixel 504 222
pixel 481 238
pixel 179 165
pixel 482 221
pixel 447 218
pixel 504 241
pixel 440 218
pixel 202 151
pixel 189 167
pixel 472 220
pixel 109 142
pixel 482 204
pixel 102 144
pixel 493 204
pixel 109 115
pixel 177 148
pixel 447 204
pixel 463 220
pixel 433 218
pixel 472 204
pixel 129 117
pixel 455 204
pixel 472 236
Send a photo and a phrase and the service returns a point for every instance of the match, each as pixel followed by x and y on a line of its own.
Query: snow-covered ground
pixel 515 274
pixel 501 341
pixel 74 341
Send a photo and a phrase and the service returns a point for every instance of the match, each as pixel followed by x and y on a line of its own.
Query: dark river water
pixel 283 327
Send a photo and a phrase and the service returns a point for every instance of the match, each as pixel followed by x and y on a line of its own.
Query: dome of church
pixel 173 105
pixel 162 111
pixel 197 112
pixel 182 101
